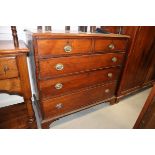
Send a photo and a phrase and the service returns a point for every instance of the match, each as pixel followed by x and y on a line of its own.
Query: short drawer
pixel 105 45
pixel 63 85
pixel 8 68
pixel 68 103
pixel 63 46
pixel 67 65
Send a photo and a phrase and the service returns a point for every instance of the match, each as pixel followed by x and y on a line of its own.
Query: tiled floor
pixel 104 116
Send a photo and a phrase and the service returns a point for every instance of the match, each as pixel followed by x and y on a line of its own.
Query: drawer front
pixel 67 84
pixel 103 45
pixel 63 46
pixel 8 68
pixel 67 65
pixel 12 85
pixel 65 104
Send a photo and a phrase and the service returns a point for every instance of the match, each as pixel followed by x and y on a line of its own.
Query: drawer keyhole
pixel 6 68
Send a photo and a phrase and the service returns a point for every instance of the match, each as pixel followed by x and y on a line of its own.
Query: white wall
pixel 5 32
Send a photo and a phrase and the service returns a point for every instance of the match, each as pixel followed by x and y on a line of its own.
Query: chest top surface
pixel 7 47
pixel 60 34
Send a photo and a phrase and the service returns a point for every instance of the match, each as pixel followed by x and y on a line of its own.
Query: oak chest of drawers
pixel 75 71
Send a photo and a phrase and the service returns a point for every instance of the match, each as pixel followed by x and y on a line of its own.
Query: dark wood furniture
pixel 14 117
pixel 14 79
pixel 139 70
pixel 146 119
pixel 75 71
pixel 15 36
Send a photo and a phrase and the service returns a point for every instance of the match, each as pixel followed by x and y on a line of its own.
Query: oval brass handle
pixel 110 75
pixel 59 105
pixel 58 86
pixel 59 67
pixel 68 48
pixel 107 90
pixel 111 46
pixel 114 59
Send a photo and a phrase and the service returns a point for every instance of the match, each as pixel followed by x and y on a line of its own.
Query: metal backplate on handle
pixel 59 66
pixel 68 48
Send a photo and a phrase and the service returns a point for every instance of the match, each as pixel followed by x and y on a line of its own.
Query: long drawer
pixel 54 67
pixel 63 85
pixel 103 45
pixel 61 105
pixel 12 85
pixel 49 47
pixel 8 68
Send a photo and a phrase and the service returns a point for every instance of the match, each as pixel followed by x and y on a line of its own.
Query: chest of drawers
pixel 75 71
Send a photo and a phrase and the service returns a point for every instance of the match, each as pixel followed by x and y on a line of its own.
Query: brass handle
pixel 59 106
pixel 59 67
pixel 114 59
pixel 68 48
pixel 110 75
pixel 58 86
pixel 107 90
pixel 6 68
pixel 111 46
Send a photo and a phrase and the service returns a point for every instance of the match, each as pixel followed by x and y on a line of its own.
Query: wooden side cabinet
pixel 14 79
pixel 146 119
pixel 139 71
